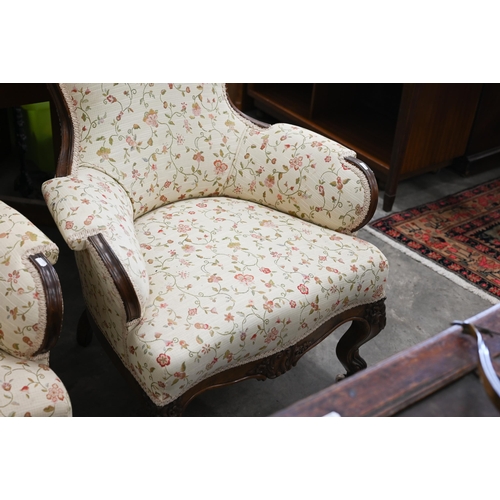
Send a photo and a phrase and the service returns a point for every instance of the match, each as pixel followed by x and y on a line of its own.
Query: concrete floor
pixel 420 303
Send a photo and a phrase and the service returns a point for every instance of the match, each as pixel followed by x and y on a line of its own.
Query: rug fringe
pixel 438 269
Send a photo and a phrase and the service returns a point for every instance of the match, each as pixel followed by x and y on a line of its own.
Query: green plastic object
pixel 38 128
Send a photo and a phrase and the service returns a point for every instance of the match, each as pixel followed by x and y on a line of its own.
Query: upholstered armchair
pixel 211 248
pixel 30 320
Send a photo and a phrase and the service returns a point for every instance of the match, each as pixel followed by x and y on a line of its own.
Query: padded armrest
pixel 94 203
pixel 19 237
pixel 305 174
pixel 31 312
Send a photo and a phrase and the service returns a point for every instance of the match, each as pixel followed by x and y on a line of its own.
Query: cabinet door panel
pixel 436 123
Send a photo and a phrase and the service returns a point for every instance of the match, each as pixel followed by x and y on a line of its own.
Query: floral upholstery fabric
pixel 163 143
pixel 28 387
pixel 233 281
pixel 102 298
pixel 301 173
pixel 93 203
pixel 236 238
pixel 22 315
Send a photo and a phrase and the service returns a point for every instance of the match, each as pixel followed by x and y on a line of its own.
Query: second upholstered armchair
pixel 31 315
pixel 211 249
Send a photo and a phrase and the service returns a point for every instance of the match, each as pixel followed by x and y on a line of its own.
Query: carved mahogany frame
pixel 63 167
pixel 53 301
pixel 118 275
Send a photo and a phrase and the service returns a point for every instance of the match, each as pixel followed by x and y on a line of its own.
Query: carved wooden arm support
pixel 53 301
pixel 373 186
pixel 93 207
pixel 119 276
pixel 32 307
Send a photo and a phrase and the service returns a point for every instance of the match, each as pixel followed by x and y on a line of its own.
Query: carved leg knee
pixel 365 325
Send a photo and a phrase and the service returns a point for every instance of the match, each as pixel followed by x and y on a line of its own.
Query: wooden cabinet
pixel 484 139
pixel 399 130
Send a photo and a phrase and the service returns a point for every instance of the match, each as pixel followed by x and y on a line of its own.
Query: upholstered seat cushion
pixel 231 281
pixel 29 388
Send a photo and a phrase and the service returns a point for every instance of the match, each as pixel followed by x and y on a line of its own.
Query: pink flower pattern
pixel 25 383
pixel 314 289
pixel 221 229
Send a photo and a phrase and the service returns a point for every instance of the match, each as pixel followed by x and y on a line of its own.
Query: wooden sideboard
pixel 399 130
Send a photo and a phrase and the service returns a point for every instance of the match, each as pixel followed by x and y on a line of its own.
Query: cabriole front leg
pixel 368 324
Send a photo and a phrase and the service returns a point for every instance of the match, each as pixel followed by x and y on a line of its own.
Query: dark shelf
pixel 398 129
pixel 335 110
pixel 370 134
pixel 283 101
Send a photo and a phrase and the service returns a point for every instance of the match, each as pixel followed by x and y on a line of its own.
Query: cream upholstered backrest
pixel 166 142
pixel 161 142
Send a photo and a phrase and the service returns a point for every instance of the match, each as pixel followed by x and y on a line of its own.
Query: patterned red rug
pixel 459 233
